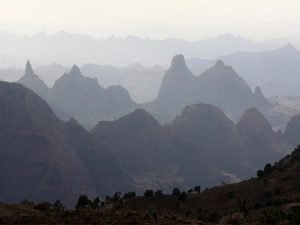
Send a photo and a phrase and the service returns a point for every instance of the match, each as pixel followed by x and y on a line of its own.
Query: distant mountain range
pixel 275 71
pixel 68 48
pixel 76 96
pixel 219 85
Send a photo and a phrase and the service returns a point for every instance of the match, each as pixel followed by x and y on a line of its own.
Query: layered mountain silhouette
pixel 152 155
pixel 215 136
pixel 291 134
pixel 275 71
pixel 220 86
pixel 76 96
pixel 261 142
pixel 33 81
pixel 43 158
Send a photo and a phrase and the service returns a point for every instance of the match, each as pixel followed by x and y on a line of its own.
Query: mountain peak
pixel 220 63
pixel 75 70
pixel 253 119
pixel 178 61
pixel 288 48
pixel 28 69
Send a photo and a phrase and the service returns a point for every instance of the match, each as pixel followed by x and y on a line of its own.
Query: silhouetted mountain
pixel 262 143
pixel 292 134
pixel 46 49
pixel 42 158
pixel 275 71
pixel 220 86
pixel 223 87
pixel 74 95
pixel 33 82
pixel 152 156
pixel 177 85
pixel 216 137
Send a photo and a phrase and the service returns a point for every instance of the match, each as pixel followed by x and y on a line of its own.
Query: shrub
pixel 129 195
pixel 260 173
pixel 83 202
pixel 197 189
pixel 268 169
pixel 159 193
pixel 148 193
pixel 58 206
pixel 176 192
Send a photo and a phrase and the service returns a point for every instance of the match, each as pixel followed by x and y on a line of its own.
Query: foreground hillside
pixel 271 198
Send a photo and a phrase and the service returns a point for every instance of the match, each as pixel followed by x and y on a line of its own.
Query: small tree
pixel 83 202
pixel 148 193
pixel 197 189
pixel 260 173
pixel 190 191
pixel 95 203
pixel 129 195
pixel 116 197
pixel 159 193
pixel 58 206
pixel 176 192
pixel 268 169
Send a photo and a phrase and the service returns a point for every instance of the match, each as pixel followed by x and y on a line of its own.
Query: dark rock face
pixel 223 87
pixel 215 136
pixel 292 134
pixel 74 95
pixel 220 86
pixel 33 82
pixel 262 143
pixel 150 154
pixel 177 84
pixel 42 158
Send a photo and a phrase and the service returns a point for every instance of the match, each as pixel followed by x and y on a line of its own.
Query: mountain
pixel 291 134
pixel 216 137
pixel 177 77
pixel 275 71
pixel 154 157
pixel 69 48
pixel 33 82
pixel 43 158
pixel 262 143
pixel 219 85
pixel 74 95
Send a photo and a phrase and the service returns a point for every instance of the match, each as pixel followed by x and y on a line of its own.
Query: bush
pixel 83 202
pixel 129 195
pixel 197 189
pixel 58 206
pixel 176 192
pixel 148 193
pixel 260 173
pixel 268 169
pixel 158 193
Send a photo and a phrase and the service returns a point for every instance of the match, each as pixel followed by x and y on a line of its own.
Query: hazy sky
pixel 190 19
